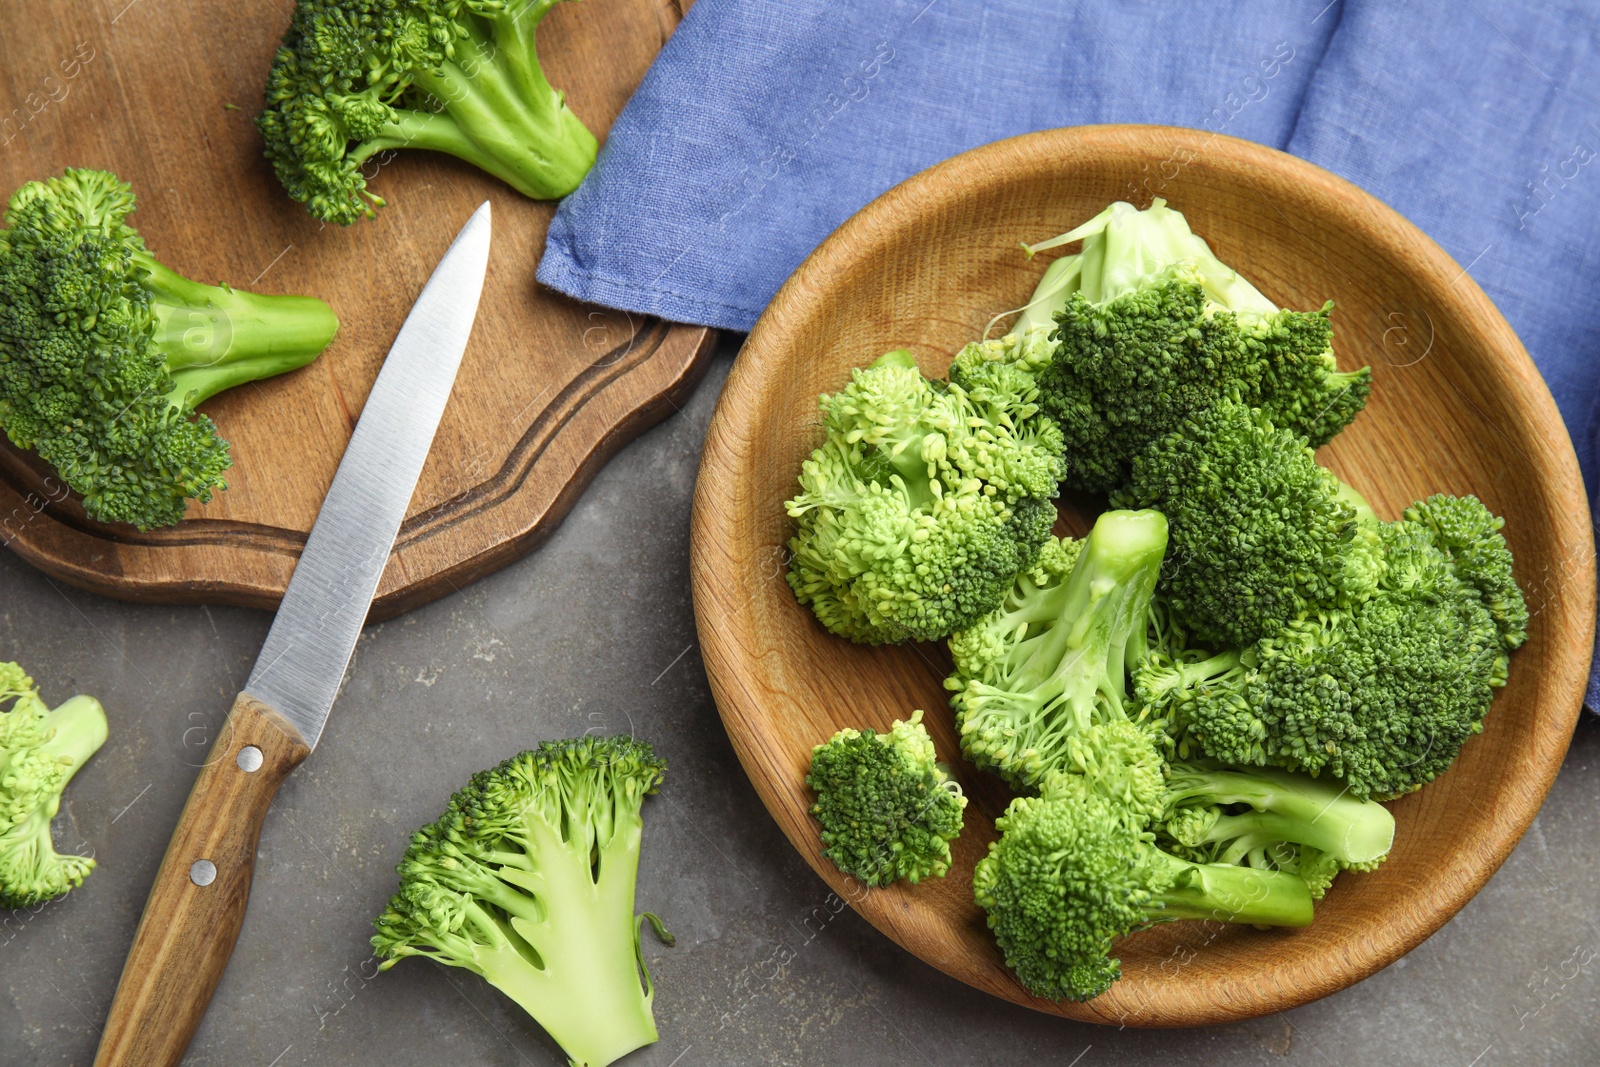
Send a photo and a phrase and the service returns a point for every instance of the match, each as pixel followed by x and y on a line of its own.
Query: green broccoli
pixel 1040 684
pixel 105 353
pixel 1469 533
pixel 1381 695
pixel 1272 819
pixel 888 809
pixel 1153 327
pixel 923 502
pixel 354 78
pixel 1071 873
pixel 527 879
pixel 40 751
pixel 1028 346
pixel 1260 532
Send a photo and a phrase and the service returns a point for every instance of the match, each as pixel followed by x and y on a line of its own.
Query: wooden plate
pixel 548 390
pixel 1456 407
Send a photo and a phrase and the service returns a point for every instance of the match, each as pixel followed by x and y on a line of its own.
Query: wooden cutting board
pixel 548 390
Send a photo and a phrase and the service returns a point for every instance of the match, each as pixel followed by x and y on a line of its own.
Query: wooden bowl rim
pixel 756 370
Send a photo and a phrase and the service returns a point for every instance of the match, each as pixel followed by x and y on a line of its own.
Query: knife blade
pixel 192 917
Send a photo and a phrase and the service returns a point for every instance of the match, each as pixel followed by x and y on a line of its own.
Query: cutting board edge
pixel 67 552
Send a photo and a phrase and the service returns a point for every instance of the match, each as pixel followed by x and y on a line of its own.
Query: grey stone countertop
pixel 596 629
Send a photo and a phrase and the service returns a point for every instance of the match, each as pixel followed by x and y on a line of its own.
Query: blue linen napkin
pixel 764 124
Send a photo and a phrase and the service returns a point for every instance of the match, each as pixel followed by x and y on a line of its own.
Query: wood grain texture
pixel 187 932
pixel 1456 407
pixel 549 388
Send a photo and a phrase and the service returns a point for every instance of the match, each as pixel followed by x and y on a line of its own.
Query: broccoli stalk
pixel 1274 819
pixel 354 78
pixel 1027 345
pixel 214 337
pixel 104 352
pixel 1036 676
pixel 1180 889
pixel 40 751
pixel 528 880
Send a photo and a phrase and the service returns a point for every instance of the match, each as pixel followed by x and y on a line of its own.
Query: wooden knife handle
pixel 192 917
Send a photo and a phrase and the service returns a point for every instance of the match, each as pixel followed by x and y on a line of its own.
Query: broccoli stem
pixel 1184 675
pixel 215 337
pixel 1059 684
pixel 498 112
pixel 1351 496
pixel 76 731
pixel 1108 588
pixel 584 985
pixel 1228 893
pixel 1293 808
pixel 1060 281
pixel 907 460
pixel 1123 247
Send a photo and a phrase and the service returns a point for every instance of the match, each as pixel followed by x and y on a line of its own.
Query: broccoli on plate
pixel 1269 818
pixel 887 807
pixel 1149 327
pixel 1381 694
pixel 105 352
pixel 1071 873
pixel 1260 532
pixel 923 502
pixel 1040 683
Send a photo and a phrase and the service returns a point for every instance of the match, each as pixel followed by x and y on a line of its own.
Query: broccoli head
pixel 527 880
pixel 1260 532
pixel 1272 819
pixel 922 504
pixel 354 78
pixel 104 352
pixel 1040 682
pixel 1382 694
pixel 1071 873
pixel 1152 327
pixel 40 751
pixel 888 809
pixel 1469 533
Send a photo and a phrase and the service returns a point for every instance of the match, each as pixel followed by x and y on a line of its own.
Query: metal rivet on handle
pixel 202 872
pixel 249 759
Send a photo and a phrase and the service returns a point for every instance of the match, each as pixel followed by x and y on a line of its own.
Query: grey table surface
pixel 596 630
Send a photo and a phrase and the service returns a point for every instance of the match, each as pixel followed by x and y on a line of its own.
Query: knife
pixel 192 917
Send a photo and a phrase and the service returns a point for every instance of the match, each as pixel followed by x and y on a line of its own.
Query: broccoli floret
pixel 922 504
pixel 1036 681
pixel 40 751
pixel 1260 532
pixel 1071 873
pixel 354 78
pixel 1153 327
pixel 1272 819
pixel 527 879
pixel 104 352
pixel 1382 695
pixel 888 809
pixel 1469 533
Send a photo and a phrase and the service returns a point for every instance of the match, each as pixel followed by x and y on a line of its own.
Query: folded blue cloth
pixel 764 124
